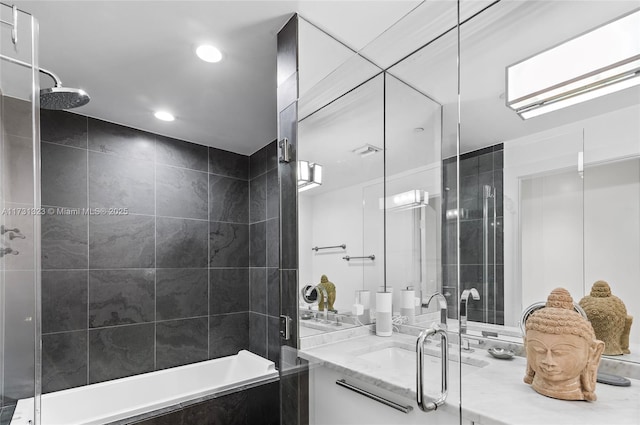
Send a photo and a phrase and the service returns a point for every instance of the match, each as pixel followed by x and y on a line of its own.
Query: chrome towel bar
pixel 400 407
pixel 317 248
pixel 370 257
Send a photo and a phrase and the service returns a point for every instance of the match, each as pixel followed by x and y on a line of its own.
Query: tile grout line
pixel 155 257
pixel 88 244
pixel 209 289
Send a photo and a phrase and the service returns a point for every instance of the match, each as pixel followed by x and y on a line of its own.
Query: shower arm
pixel 26 65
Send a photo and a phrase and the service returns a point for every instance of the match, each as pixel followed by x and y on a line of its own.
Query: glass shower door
pixel 19 218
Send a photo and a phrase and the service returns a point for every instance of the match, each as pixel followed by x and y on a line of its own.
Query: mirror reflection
pixel 544 199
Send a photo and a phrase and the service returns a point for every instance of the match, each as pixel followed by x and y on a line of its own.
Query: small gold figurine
pixel 609 318
pixel 563 353
pixel 331 294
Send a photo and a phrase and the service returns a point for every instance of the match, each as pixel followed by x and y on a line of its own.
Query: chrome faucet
pixel 325 296
pixel 464 300
pixel 442 302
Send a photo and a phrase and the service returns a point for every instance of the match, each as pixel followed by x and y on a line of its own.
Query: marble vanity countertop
pixel 493 391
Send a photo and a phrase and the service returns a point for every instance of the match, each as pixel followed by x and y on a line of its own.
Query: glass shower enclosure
pixel 20 362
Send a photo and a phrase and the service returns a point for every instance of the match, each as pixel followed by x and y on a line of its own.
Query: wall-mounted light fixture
pixel 405 200
pixel 601 61
pixel 309 175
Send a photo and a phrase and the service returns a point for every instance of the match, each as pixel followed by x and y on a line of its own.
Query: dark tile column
pixel 293 376
pixel 264 253
pixel 477 169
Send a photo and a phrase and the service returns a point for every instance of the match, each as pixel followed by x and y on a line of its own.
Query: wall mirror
pixel 548 201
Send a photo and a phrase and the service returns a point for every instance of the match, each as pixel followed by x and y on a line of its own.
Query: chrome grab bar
pixel 317 248
pixel 372 396
pixel 432 405
pixel 370 257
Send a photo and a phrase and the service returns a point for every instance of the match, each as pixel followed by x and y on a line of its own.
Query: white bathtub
pixel 135 396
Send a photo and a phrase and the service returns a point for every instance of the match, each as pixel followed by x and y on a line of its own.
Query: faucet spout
pixel 442 303
pixel 464 300
pixel 325 296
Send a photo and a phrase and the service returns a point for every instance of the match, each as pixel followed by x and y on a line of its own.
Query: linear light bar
pixel 405 200
pixel 596 63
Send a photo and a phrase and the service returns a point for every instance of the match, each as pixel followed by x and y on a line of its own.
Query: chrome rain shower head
pixel 56 97
pixel 59 98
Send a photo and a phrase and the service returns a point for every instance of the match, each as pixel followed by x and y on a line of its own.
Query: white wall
pixel 336 218
pixel 561 230
pixel 352 216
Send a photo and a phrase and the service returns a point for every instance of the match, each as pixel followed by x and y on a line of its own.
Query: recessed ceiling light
pixel 164 116
pixel 208 53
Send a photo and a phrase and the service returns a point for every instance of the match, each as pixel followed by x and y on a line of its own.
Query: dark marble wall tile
pixel 229 410
pixel 228 334
pixel 181 293
pixel 273 339
pixel 64 300
pixel 289 191
pixel 64 360
pixel 125 241
pixel 228 199
pixel 470 197
pixel 6 413
pixel 180 342
pixel 273 243
pixel 289 399
pixel 289 301
pixel 258 334
pixel 16 116
pixel 197 414
pixel 258 199
pixel 258 290
pixel 485 162
pixel 64 176
pixel 118 140
pixel 181 154
pixel 17 166
pixel 272 155
pixel 264 404
pixel 18 299
pixel 229 290
pixel 63 128
pixel 120 351
pixel 273 194
pixel 228 245
pixel 228 164
pixel 181 243
pixel 120 297
pixel 64 241
pixel 471 242
pixel 468 166
pixel 116 182
pixel 273 291
pixel 258 244
pixel 173 418
pixel 258 163
pixel 181 193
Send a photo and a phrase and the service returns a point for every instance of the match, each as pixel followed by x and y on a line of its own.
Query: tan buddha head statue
pixel 330 288
pixel 563 353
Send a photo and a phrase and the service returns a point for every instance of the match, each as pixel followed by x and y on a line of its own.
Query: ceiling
pixel 504 34
pixel 134 57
